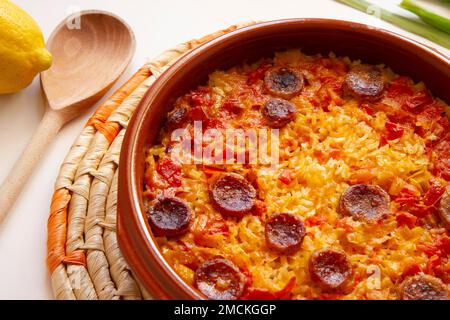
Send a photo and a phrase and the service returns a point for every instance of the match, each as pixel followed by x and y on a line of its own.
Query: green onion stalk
pixel 431 12
pixel 417 27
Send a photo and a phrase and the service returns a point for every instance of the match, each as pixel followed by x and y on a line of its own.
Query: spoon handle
pixel 24 166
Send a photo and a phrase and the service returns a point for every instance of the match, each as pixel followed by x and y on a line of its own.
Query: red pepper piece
pixel 232 106
pixel 259 209
pixel 170 171
pixel 286 176
pixel 442 168
pixel 432 264
pixel 421 210
pixel 383 141
pixel 411 270
pixel 428 249
pixel 394 130
pixel 198 114
pixel 434 193
pixel 440 247
pixel 264 294
pixel 399 86
pixel 366 107
pixel 258 73
pixel 315 220
pixel 219 227
pixel 406 218
pixel 443 244
pixel 201 97
pixel 419 99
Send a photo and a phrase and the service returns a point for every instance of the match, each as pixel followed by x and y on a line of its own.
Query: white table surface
pixel 158 25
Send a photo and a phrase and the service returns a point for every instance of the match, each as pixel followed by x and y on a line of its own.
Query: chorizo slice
pixel 177 117
pixel 365 202
pixel 423 287
pixel 283 82
pixel 330 268
pixel 170 216
pixel 233 195
pixel 278 112
pixel 365 81
pixel 444 208
pixel 284 232
pixel 219 279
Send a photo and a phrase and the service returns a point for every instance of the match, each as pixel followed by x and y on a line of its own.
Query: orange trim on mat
pixel 77 257
pixel 57 233
pixel 57 229
pixel 57 221
pixel 107 107
pixel 108 129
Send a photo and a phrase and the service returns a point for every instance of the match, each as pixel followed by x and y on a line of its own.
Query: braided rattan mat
pixel 83 256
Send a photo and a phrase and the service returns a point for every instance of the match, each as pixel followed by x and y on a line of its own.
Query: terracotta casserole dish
pixel 312 36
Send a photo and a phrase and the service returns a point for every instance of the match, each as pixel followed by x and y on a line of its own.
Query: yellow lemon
pixel 22 48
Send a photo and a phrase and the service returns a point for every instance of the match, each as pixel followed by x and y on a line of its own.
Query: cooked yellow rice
pixel 379 253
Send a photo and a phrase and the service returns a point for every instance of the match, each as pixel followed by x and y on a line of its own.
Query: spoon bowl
pixel 90 49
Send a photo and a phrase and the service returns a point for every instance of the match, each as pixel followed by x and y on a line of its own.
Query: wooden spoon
pixel 90 49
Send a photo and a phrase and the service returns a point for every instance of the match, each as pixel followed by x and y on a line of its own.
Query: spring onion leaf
pixel 430 12
pixel 417 27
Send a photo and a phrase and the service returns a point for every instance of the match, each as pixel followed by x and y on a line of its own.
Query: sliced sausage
pixel 444 208
pixel 170 216
pixel 219 279
pixel 278 112
pixel 364 81
pixel 284 232
pixel 365 202
pixel 283 82
pixel 177 117
pixel 233 195
pixel 423 287
pixel 330 268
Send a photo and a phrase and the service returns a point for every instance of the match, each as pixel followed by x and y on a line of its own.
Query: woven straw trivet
pixel 83 255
